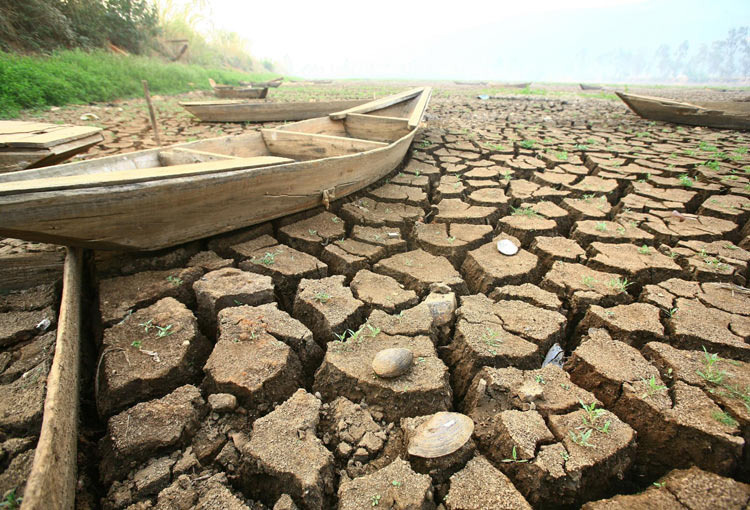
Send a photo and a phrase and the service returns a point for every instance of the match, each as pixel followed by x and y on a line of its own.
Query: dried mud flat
pixel 236 372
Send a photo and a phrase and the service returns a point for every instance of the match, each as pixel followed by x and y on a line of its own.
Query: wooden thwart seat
pixel 300 145
pixel 131 176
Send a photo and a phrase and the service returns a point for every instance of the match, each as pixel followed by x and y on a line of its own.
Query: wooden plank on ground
pixel 52 480
pixel 135 175
pixel 52 137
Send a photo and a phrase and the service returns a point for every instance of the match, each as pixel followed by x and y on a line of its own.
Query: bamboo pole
pixel 52 480
pixel 151 113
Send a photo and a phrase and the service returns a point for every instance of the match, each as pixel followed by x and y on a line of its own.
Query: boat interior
pixel 366 127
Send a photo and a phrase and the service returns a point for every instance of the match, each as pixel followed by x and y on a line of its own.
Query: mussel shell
pixel 507 247
pixel 392 362
pixel 441 435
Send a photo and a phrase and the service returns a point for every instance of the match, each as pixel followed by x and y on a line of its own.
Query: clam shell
pixel 506 247
pixel 441 435
pixel 392 362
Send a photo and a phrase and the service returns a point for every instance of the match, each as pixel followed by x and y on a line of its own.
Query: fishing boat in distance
pixel 265 111
pixel 715 114
pixel 232 92
pixel 474 83
pixel 590 87
pixel 162 197
pixel 35 144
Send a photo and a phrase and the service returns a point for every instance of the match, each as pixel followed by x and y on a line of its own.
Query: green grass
pixel 79 77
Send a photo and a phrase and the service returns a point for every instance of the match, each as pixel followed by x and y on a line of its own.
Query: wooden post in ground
pixel 52 480
pixel 151 113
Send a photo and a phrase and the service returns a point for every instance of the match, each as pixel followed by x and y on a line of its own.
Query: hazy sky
pixel 495 40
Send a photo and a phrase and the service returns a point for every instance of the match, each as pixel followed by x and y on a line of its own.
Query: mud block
pixel 284 455
pixel 152 352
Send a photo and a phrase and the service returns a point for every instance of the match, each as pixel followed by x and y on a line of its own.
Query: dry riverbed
pixel 236 372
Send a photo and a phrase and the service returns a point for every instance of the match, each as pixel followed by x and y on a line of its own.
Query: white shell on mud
pixel 392 362
pixel 506 247
pixel 441 435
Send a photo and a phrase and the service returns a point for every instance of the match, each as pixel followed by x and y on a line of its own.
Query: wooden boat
pixel 590 87
pixel 231 92
pixel 156 198
pixel 716 114
pixel 265 84
pixel 483 83
pixel 248 111
pixel 321 82
pixel 523 85
pixel 35 144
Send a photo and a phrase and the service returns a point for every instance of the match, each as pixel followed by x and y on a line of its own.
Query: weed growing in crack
pixel 724 418
pixel 619 284
pixel 601 226
pixel 174 280
pixel 644 250
pixel 523 211
pixel 514 458
pixel 686 181
pixel 653 387
pixel 711 373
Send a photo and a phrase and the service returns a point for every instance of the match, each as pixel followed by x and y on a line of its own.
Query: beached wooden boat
pixel 590 87
pixel 156 198
pixel 231 92
pixel 264 84
pixel 470 83
pixel 256 111
pixel 35 144
pixel 716 114
pixel 522 85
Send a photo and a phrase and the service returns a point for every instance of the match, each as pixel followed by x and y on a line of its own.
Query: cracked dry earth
pixel 236 372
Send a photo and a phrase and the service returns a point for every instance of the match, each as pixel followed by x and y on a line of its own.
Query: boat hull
pixel 717 115
pixel 222 111
pixel 240 93
pixel 153 215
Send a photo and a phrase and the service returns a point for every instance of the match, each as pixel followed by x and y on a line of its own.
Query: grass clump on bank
pixel 75 76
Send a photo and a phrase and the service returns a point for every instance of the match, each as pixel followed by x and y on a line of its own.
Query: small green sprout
pixel 376 500
pixel 174 280
pixel 582 438
pixel 514 458
pixel 644 250
pixel 601 226
pixel 164 331
pixel 589 281
pixel 147 325
pixel 711 373
pixel 686 181
pixel 137 344
pixel 619 284
pixel 653 387
pixel 322 297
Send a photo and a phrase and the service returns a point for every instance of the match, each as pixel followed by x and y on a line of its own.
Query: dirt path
pixel 237 371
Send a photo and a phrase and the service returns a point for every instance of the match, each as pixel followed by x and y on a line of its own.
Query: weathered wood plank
pixel 304 146
pixel 49 137
pixel 52 480
pixel 120 177
pixel 370 127
pixel 245 111
pixel 416 115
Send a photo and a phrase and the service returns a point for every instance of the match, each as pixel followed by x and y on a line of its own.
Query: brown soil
pixel 631 270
